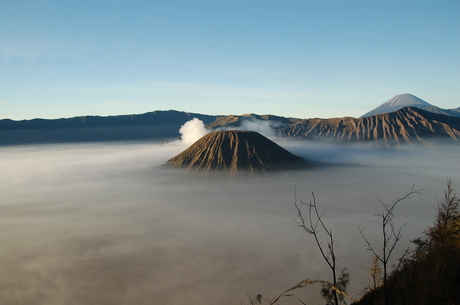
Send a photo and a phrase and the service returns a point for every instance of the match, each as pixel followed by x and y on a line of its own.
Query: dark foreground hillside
pixel 426 275
pixel 431 275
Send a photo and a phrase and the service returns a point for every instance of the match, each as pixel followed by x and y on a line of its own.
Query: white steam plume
pixel 264 127
pixel 192 130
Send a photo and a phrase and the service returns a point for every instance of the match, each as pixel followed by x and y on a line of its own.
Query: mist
pixel 264 127
pixel 111 224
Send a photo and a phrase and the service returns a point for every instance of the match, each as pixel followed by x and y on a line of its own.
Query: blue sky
pixel 303 59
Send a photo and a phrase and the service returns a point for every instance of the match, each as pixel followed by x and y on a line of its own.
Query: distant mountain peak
pixel 397 102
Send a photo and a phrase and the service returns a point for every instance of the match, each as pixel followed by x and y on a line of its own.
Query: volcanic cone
pixel 235 151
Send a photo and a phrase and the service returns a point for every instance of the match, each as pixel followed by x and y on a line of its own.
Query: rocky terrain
pixel 406 126
pixel 237 151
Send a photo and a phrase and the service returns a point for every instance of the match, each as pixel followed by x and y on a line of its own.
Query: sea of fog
pixel 109 224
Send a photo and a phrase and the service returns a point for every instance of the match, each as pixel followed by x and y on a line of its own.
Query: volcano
pixel 236 151
pixel 397 102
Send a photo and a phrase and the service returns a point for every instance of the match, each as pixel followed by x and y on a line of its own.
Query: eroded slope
pixel 237 151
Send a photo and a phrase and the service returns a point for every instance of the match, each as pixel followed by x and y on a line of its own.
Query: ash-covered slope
pixel 236 151
pixel 407 125
pixel 397 102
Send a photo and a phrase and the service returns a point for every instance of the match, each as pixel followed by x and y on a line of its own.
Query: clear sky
pixel 311 58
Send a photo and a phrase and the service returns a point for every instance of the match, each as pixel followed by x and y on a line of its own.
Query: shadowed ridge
pixel 451 112
pixel 235 151
pixel 157 125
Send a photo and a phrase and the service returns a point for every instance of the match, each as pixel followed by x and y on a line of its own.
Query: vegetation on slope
pixel 429 275
pixel 432 274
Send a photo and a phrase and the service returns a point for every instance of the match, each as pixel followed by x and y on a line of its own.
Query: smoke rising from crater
pixel 264 127
pixel 192 131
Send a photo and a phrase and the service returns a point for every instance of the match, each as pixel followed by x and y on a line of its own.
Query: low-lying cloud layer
pixel 109 224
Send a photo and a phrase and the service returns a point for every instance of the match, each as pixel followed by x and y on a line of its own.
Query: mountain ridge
pixel 451 112
pixel 409 125
pixel 156 125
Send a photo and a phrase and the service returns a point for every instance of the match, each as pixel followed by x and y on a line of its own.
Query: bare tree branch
pixel 390 237
pixel 313 226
